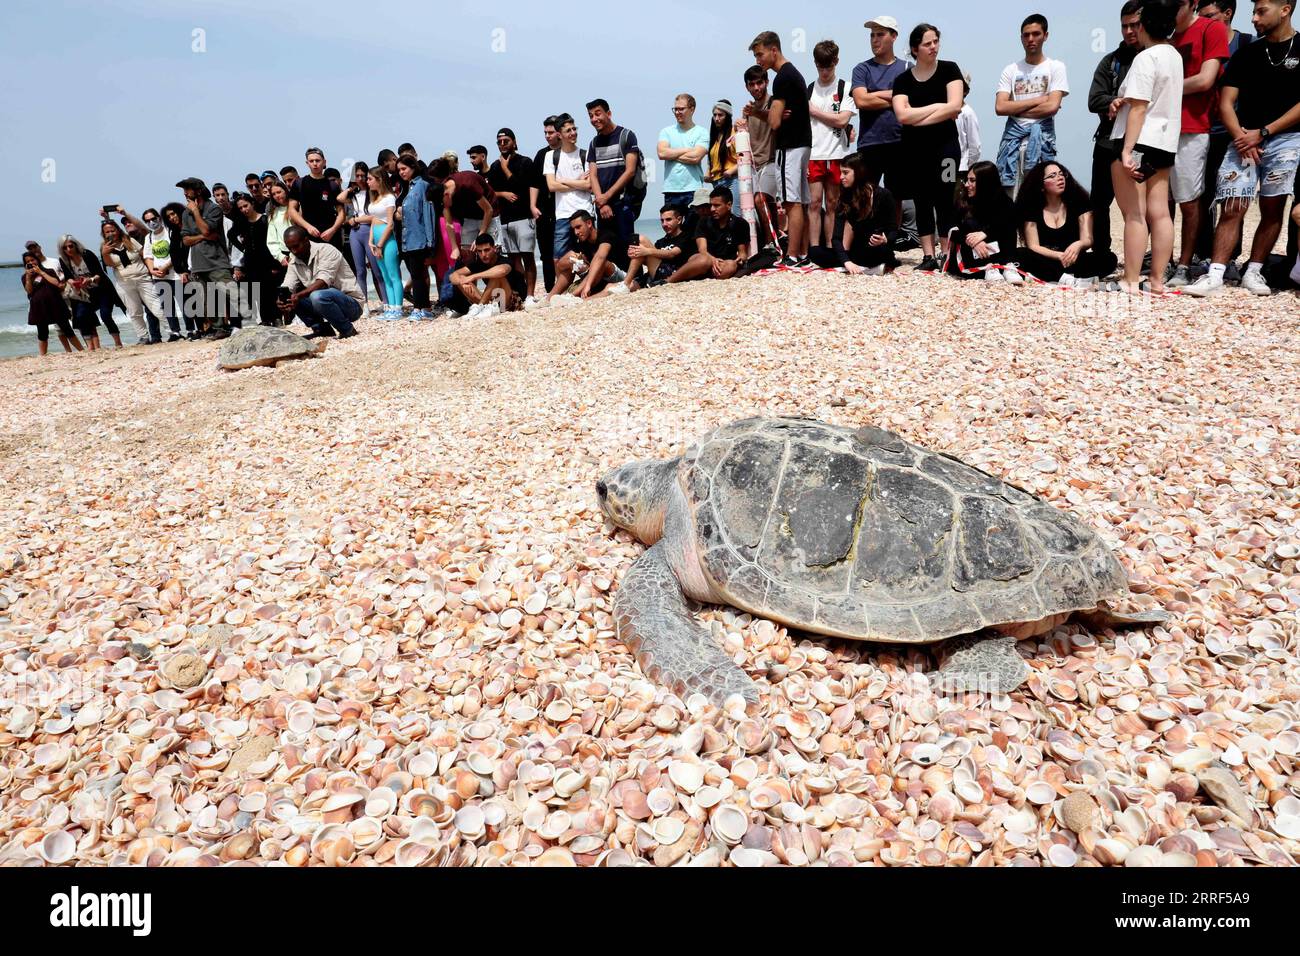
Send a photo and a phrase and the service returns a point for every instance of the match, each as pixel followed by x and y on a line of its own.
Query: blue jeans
pixel 681 200
pixel 329 307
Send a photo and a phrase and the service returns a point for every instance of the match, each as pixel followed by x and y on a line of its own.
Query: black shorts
pixel 1157 158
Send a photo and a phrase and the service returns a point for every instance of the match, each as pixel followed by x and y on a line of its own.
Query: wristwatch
pixel 1264 132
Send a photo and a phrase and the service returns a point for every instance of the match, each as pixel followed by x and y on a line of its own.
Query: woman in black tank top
pixel 1055 214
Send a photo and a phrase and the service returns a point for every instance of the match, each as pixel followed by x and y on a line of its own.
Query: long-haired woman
pixel 88 290
pixel 172 213
pixel 45 305
pixel 419 235
pixel 984 240
pixel 380 216
pixel 123 255
pixel 927 101
pixel 355 199
pixel 724 162
pixel 1055 215
pixel 1148 124
pixel 866 225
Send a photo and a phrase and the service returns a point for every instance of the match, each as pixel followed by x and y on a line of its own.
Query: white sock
pixel 1217 269
pixel 1254 267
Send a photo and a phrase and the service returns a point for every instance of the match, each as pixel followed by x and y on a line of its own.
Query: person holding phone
pixel 123 255
pixel 45 305
pixel 1148 123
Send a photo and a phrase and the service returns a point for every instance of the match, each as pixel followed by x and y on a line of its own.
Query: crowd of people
pixel 1195 121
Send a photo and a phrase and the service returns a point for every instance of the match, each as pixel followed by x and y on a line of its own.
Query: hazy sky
pixel 116 100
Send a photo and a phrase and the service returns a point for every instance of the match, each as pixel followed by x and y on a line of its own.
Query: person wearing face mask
pixel 157 252
pixel 125 258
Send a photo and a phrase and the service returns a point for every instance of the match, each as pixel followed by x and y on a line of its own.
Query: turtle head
pixel 635 497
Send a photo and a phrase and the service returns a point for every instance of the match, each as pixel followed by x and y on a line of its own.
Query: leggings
pixel 168 291
pixel 414 261
pixel 390 268
pixel 43 330
pixel 1091 264
pixel 933 190
pixel 83 315
pixel 363 258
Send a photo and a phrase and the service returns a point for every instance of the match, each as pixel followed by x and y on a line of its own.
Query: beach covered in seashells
pixel 357 610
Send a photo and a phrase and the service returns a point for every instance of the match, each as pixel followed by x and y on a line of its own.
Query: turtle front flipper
pixel 1104 617
pixel 653 620
pixel 973 663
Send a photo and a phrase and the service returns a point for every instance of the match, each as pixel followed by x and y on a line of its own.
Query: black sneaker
pixel 319 335
pixel 929 264
pixel 906 244
pixel 173 338
pixel 221 334
pixel 348 335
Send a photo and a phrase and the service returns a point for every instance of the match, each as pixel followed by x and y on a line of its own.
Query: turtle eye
pixel 602 489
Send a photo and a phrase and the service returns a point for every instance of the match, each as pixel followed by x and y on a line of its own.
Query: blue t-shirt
pixel 878 126
pixel 683 177
pixel 609 158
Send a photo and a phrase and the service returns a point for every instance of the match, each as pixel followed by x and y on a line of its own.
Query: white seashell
pixel 555 826
pixel 743 856
pixel 668 830
pixel 469 821
pixel 687 777
pixel 423 764
pixel 411 853
pixel 1061 855
pixel 969 791
pixel 1143 856
pixel 1040 792
pixel 380 803
pixel 253 803
pixel 1286 825
pixel 661 800
pixel 707 797
pixel 57 847
pixel 926 754
pixel 729 823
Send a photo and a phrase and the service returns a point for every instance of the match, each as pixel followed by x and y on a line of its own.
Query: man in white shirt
pixel 832 133
pixel 566 177
pixel 51 265
pixel 1030 93
pixel 322 290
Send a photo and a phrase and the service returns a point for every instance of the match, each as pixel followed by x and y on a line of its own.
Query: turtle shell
pixel 860 534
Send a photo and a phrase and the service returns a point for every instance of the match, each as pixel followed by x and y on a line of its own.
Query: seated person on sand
pixel 866 224
pixel 589 262
pixel 661 258
pixel 984 241
pixel 1055 214
pixel 489 282
pixel 721 240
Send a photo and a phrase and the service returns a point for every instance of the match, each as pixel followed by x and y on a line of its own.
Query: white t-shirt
pixel 158 251
pixel 828 143
pixel 968 136
pixel 378 207
pixel 357 204
pixel 571 167
pixel 1156 76
pixel 1025 82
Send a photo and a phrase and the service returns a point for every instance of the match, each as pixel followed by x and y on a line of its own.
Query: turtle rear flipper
pixel 1103 617
pixel 979 663
pixel 653 620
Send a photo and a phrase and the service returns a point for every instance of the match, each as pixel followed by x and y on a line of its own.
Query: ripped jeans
pixel 1273 176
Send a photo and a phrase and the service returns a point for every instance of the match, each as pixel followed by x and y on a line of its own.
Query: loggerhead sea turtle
pixel 849 533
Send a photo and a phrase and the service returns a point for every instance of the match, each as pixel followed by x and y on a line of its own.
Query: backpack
pixel 555 160
pixel 636 189
pixel 847 131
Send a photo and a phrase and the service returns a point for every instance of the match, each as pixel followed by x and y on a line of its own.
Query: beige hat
pixel 885 23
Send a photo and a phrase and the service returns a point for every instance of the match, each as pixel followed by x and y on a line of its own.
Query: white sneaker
pixel 1180 278
pixel 1012 275
pixel 994 275
pixel 1207 285
pixel 474 311
pixel 489 310
pixel 1067 281
pixel 1085 285
pixel 1255 283
pixel 619 288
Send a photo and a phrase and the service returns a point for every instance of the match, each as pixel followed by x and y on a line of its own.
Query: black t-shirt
pixel 934 90
pixel 685 249
pixel 1266 91
pixel 723 240
pixel 520 179
pixel 1058 239
pixel 545 198
pixel 606 231
pixel 796 129
pixel 316 200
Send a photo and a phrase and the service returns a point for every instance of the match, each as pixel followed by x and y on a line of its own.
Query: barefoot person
pixel 1147 124
pixel 89 291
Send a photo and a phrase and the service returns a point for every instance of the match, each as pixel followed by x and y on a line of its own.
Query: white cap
pixel 885 23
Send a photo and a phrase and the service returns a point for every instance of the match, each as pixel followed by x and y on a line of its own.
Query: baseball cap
pixel 32 242
pixel 885 23
pixel 191 182
pixel 507 131
pixel 701 197
pixel 270 172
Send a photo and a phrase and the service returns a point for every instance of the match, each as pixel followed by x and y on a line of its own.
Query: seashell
pixel 1287 825
pixel 1192 760
pixel 729 823
pixel 668 830
pixel 1143 856
pixel 1040 792
pixel 661 800
pixel 380 803
pixel 707 797
pixel 555 856
pixel 469 821
pixel 569 782
pixel 1060 855
pixel 481 764
pixel 635 804
pixel 555 825
pixel 57 847
pixel 410 853
pixel 1078 812
pixel 944 806
pixel 1111 852
pixel 687 777
pixel 926 754
pixel 423 764
pixel 1178 858
pixel 558 711
pixel 743 856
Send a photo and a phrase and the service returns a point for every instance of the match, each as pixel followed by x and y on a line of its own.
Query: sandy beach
pixel 356 610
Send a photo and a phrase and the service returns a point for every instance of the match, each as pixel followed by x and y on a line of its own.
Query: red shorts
pixel 824 169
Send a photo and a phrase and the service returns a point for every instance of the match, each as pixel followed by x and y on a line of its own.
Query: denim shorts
pixel 563 237
pixel 1273 176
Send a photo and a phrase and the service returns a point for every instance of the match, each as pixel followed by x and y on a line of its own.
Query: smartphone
pixel 112 207
pixel 1139 158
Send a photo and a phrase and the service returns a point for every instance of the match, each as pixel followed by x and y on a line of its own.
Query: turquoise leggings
pixel 390 266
